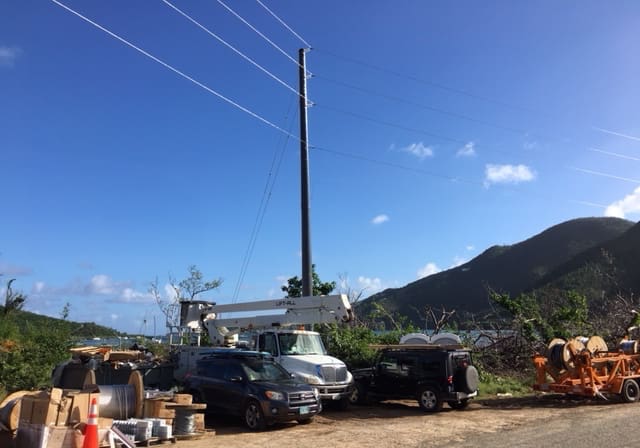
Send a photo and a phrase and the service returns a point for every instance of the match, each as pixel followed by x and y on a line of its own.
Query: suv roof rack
pixel 418 347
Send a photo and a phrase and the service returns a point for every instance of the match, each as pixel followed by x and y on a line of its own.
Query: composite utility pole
pixel 307 280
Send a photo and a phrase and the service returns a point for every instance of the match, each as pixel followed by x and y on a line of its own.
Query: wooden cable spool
pixel 572 347
pixel 596 344
pixel 10 410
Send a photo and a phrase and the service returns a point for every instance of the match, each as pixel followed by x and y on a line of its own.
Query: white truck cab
pixel 302 353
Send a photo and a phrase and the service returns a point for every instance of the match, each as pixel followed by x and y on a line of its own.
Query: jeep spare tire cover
pixel 469 379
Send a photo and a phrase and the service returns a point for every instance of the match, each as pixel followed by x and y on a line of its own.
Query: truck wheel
pixel 358 395
pixel 304 421
pixel 343 403
pixel 630 391
pixel 253 416
pixel 462 404
pixel 429 400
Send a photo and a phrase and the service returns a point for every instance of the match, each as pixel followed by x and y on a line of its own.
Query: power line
pixel 396 165
pixel 422 106
pixel 175 70
pixel 426 82
pixel 611 176
pixel 274 45
pixel 284 24
pixel 272 176
pixel 627 136
pixel 615 154
pixel 228 45
pixel 403 127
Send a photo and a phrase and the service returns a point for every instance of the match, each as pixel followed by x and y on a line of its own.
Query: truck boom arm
pixel 297 311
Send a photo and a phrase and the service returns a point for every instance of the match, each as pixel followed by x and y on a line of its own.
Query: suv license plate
pixel 304 409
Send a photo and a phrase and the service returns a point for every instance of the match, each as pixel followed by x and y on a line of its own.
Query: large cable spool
pixel 10 410
pixel 554 350
pixel 122 401
pixel 596 344
pixel 628 346
pixel 571 347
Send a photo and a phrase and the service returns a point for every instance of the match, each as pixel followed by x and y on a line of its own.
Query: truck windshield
pixel 301 344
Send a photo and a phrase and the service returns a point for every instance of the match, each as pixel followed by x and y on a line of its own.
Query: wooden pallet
pixel 156 441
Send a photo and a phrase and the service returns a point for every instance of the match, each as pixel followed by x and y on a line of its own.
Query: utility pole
pixel 307 280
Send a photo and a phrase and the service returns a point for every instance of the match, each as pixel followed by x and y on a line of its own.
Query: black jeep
pixel 431 374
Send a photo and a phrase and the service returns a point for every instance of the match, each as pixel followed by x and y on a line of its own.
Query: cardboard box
pixel 41 408
pixel 81 404
pixel 64 410
pixel 64 437
pixel 26 407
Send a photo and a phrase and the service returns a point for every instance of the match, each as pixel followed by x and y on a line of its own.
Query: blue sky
pixel 438 130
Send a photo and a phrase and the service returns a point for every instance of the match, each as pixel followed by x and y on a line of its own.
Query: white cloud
pixel 428 269
pixel 8 55
pixel 457 261
pixel 380 219
pixel 508 174
pixel 470 247
pixel 418 150
pixel 130 295
pixel 629 204
pixel 467 150
pixel 101 284
pixel 38 287
pixel 114 317
pixel 371 285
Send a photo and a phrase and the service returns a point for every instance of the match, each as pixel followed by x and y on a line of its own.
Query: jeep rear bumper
pixel 458 396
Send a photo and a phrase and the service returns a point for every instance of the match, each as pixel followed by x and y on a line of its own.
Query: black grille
pixel 334 374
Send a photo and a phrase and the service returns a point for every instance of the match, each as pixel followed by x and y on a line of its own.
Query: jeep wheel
pixel 630 391
pixel 429 400
pixel 462 404
pixel 253 416
pixel 358 395
pixel 468 379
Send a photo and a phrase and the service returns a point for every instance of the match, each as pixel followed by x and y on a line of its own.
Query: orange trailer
pixel 572 368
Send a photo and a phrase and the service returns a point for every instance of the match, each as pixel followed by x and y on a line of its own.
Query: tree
pixel 187 289
pixel 293 288
pixel 66 309
pixel 353 294
pixel 13 300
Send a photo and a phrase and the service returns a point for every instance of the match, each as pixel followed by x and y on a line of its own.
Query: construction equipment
pixel 589 368
pixel 283 335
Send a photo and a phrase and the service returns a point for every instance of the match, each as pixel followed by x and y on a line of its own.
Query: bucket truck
pixel 283 335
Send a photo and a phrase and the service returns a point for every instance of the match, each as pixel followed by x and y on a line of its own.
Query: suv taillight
pixel 450 379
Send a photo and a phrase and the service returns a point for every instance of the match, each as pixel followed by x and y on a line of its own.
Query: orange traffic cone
pixel 91 430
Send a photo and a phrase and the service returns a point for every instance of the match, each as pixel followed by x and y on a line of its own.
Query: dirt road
pixel 492 423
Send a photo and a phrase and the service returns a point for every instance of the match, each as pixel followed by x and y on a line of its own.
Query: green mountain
pixel 81 330
pixel 557 257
